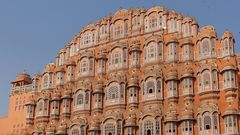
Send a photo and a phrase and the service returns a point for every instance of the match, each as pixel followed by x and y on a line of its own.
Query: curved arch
pixel 153 38
pixel 156 9
pixel 109 118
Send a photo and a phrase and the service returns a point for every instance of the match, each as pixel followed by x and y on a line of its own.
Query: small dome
pixel 99 87
pixel 60 69
pixel 187 72
pixel 171 117
pixel 207 31
pixel 227 34
pixel 172 75
pixel 30 101
pixel 131 120
pixel 133 80
pixel 187 41
pixel 67 94
pixel 187 115
pixel 230 110
pixel 56 96
pixel 23 77
pixel 228 67
pixel 71 63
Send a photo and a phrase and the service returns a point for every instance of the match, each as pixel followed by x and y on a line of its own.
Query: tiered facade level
pixel 138 72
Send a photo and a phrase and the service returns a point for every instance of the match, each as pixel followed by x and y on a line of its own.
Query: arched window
pixel 206 79
pixel 172 88
pixel 148 127
pixel 150 87
pixel 116 57
pixel 200 126
pixel 46 81
pixel 158 126
pixel 80 99
pixel 118 31
pixel 84 66
pixel 40 106
pixel 153 22
pixel 205 50
pixel 82 130
pixel 229 79
pixel 103 31
pixel 215 121
pixel 136 22
pixel 87 98
pixel 143 88
pixel 113 92
pixel 199 82
pixel 207 122
pixel 214 79
pixel 159 85
pixel 109 129
pixel 151 51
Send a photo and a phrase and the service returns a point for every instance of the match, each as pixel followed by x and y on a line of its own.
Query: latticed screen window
pixel 171 128
pixel 143 88
pixel 80 99
pixel 148 128
pixel 153 22
pixel 82 131
pixel 84 66
pixel 118 31
pixel 109 129
pixel 151 52
pixel 40 106
pixel 215 121
pixel 158 125
pixel 206 78
pixel 116 58
pixel 65 103
pixel 205 47
pixel 136 22
pixel 119 128
pixel 200 123
pixel 159 85
pixel 125 55
pixel 122 89
pixel 113 92
pixel 75 132
pixel 87 98
pixel 207 122
pixel 150 87
pixel 187 126
pixel 91 66
pixel 98 98
pixel 229 78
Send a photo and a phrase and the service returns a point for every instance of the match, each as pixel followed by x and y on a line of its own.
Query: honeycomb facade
pixel 138 72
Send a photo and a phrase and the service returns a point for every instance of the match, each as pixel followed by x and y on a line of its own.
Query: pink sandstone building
pixel 136 72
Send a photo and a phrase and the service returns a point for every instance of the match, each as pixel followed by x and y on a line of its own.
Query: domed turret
pixel 22 79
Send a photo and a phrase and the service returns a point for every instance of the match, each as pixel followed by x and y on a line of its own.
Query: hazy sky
pixel 33 31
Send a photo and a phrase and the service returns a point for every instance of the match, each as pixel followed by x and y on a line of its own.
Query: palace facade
pixel 136 72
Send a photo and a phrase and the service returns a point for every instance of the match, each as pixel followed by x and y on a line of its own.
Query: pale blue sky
pixel 33 31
